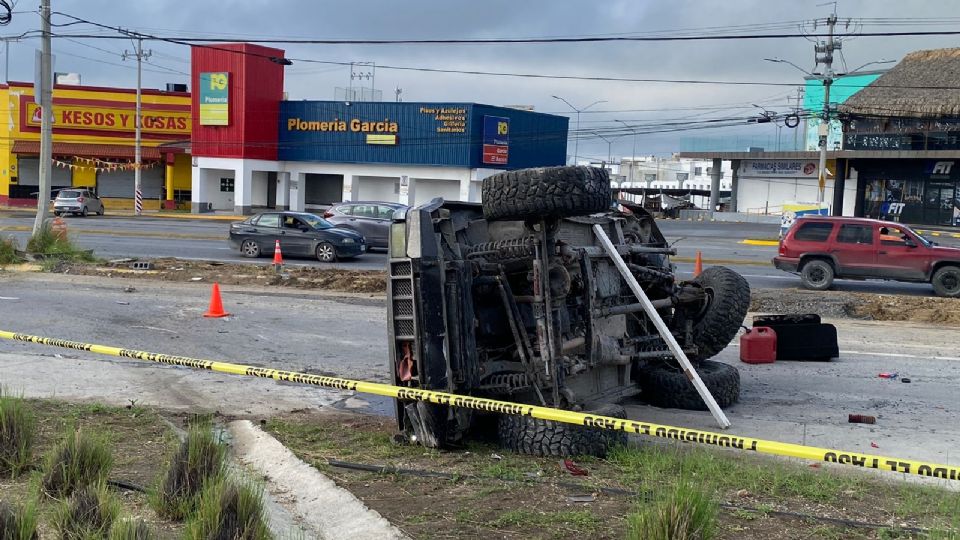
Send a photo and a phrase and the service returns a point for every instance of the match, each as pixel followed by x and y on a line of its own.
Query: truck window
pixel 855 234
pixel 813 232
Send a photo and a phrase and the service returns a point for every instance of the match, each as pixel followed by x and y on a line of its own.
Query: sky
pixel 100 61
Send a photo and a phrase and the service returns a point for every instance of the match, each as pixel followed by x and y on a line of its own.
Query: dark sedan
pixel 300 234
pixel 371 219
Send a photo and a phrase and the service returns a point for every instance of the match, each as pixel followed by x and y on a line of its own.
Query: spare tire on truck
pixel 546 192
pixel 728 299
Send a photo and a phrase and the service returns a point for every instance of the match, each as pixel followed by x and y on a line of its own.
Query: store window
pixel 912 201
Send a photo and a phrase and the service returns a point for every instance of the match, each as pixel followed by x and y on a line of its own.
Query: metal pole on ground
pixel 675 348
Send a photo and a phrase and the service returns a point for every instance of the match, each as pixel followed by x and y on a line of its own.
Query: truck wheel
pixel 946 281
pixel 667 386
pixel 533 436
pixel 817 275
pixel 728 299
pixel 546 192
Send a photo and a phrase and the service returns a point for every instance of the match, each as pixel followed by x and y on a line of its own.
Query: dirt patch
pixel 481 491
pixel 354 281
pixel 841 304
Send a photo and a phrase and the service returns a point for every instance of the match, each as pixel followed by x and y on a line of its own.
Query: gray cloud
pixel 714 60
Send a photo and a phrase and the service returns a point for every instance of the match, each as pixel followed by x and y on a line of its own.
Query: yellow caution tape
pixel 748 444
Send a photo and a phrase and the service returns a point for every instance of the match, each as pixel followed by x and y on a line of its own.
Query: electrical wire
pixel 6 11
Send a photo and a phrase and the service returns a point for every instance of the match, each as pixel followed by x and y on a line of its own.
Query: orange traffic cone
pixel 698 265
pixel 216 305
pixel 277 256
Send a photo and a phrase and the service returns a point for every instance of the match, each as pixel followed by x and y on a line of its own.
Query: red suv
pixel 822 248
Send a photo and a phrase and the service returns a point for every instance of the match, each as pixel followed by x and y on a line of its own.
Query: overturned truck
pixel 515 299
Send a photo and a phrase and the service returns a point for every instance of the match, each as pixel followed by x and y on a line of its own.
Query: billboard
pixel 215 98
pixel 496 140
pixel 110 116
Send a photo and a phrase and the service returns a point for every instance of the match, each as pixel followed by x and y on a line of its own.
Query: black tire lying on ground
pixel 729 296
pixel 527 435
pixel 667 386
pixel 546 192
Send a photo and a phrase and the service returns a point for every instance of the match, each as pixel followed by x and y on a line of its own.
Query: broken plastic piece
pixel 573 468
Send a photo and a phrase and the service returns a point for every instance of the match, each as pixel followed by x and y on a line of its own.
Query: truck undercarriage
pixel 515 299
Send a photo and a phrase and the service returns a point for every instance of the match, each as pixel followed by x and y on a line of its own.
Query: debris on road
pixel 573 468
pixel 861 419
pixel 888 375
pixel 905 380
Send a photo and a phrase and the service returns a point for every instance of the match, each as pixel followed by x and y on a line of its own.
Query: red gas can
pixel 758 345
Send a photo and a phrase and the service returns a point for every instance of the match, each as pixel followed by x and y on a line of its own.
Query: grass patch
pixel 687 513
pixel 17 431
pixel 49 243
pixel 199 460
pixel 80 460
pixel 582 521
pixel 87 514
pixel 8 251
pixel 229 508
pixel 18 523
pixel 132 529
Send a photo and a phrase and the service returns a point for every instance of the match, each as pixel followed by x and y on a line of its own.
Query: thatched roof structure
pixel 913 88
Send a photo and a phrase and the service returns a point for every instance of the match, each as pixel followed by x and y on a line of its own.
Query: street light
pixel 576 140
pixel 633 156
pixel 609 143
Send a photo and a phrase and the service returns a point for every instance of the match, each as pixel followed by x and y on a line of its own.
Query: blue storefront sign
pixel 443 134
pixel 496 140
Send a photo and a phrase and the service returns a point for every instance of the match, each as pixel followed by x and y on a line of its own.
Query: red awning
pixel 103 151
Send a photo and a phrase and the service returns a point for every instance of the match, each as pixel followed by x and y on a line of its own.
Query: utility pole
pixel 576 139
pixel 140 54
pixel 824 55
pixel 796 110
pixel 46 122
pixel 633 156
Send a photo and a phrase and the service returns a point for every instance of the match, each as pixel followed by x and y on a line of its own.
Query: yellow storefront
pixel 93 144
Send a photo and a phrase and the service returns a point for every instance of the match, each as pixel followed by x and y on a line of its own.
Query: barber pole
pixel 138 202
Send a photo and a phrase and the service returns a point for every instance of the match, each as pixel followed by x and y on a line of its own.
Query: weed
pixel 582 521
pixel 199 459
pixel 687 513
pixel 229 509
pixel 18 523
pixel 8 251
pixel 745 515
pixel 87 514
pixel 48 242
pixel 78 461
pixel 132 529
pixel 17 429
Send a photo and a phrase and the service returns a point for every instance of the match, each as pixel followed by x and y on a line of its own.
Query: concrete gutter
pixel 323 509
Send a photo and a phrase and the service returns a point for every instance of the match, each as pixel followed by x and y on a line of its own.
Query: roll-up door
pixel 28 174
pixel 119 184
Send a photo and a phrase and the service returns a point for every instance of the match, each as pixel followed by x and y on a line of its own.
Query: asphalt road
pixel 804 402
pixel 150 237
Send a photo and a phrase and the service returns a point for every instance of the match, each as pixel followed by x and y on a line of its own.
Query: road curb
pixel 131 234
pixel 306 490
pixel 753 242
pixel 737 262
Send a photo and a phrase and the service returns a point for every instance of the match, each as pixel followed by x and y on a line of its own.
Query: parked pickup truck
pixel 822 248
